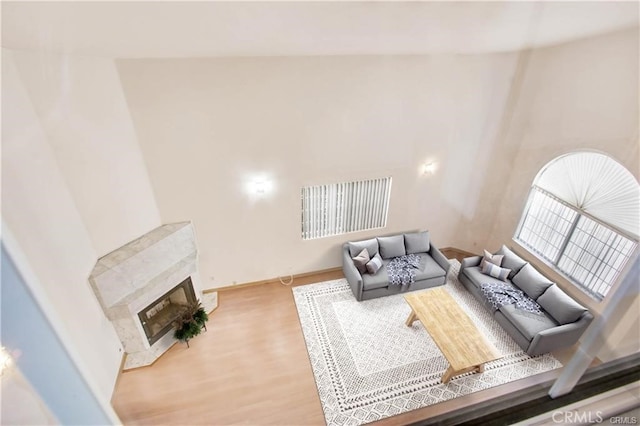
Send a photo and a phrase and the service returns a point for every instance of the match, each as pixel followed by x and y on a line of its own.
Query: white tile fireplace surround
pixel 129 279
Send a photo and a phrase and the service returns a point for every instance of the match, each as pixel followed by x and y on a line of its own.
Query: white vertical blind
pixel 344 207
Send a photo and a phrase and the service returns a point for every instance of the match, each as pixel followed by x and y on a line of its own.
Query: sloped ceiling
pixel 201 29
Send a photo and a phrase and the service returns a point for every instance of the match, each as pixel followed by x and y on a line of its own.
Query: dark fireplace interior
pixel 157 318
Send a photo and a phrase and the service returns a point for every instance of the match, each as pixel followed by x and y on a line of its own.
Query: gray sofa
pixel 432 270
pixel 564 319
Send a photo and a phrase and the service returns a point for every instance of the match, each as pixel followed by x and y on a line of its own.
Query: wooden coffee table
pixel 457 337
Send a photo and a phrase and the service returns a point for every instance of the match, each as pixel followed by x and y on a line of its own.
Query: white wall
pixel 208 127
pixel 82 110
pixel 580 95
pixel 43 217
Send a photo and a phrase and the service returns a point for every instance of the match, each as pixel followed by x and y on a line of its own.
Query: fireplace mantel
pixel 126 280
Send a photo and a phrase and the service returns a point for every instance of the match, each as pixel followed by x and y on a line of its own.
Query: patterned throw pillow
pixel 496 259
pixel 361 260
pixel 374 264
pixel 495 271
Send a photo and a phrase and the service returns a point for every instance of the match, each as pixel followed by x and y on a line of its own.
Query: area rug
pixel 368 365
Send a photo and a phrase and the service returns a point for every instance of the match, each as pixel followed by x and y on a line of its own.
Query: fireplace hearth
pixel 143 286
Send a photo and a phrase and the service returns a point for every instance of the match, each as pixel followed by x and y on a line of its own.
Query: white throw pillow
pixel 496 259
pixel 495 271
pixel 374 264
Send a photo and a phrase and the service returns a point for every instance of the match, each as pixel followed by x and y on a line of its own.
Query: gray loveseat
pixel 564 319
pixel 432 270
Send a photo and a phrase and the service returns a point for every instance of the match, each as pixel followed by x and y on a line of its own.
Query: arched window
pixel 582 218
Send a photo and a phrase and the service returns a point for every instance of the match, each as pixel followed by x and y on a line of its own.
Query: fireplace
pixel 158 318
pixel 145 284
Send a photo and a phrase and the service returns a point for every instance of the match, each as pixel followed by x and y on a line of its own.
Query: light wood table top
pixel 452 330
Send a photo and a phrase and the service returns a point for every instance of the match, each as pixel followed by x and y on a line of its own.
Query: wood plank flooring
pixel 250 368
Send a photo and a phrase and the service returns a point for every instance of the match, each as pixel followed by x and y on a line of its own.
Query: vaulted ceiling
pixel 199 29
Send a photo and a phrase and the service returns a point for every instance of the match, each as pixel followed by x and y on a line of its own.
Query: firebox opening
pixel 157 318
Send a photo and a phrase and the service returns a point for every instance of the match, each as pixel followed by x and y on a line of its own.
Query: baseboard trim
pixel 449 252
pixel 120 371
pixel 272 280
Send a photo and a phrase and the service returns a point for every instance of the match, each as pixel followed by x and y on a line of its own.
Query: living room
pixel 121 118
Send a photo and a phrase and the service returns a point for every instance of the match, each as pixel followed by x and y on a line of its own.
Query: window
pixel 591 254
pixel 339 208
pixel 581 218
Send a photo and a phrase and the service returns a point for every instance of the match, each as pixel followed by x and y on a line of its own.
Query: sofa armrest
pixel 440 258
pixel 559 337
pixel 351 273
pixel 468 262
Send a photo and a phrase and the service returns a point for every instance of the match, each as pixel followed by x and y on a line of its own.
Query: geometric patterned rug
pixel 368 365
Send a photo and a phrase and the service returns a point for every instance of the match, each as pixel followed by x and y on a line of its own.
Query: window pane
pixel 595 256
pixel 546 225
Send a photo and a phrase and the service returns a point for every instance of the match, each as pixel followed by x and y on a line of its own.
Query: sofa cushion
pixel 527 323
pixel 531 281
pixel 428 268
pixel 495 271
pixel 560 306
pixel 496 259
pixel 417 242
pixel 511 260
pixel 374 264
pixel 391 246
pixel 475 275
pixel 356 247
pixel 379 280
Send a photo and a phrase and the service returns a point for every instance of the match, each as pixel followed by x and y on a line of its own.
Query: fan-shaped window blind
pixel 596 184
pixel 583 218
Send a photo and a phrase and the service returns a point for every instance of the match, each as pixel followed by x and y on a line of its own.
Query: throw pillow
pixel 356 247
pixel 531 281
pixel 495 271
pixel 496 259
pixel 418 242
pixel 560 306
pixel 391 246
pixel 511 261
pixel 374 264
pixel 361 261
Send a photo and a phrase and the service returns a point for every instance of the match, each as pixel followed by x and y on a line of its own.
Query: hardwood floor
pixel 250 368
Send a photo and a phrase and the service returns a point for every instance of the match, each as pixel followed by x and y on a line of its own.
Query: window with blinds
pixel 588 252
pixel 582 218
pixel 340 208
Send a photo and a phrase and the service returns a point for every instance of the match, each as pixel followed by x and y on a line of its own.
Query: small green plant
pixel 200 316
pixel 190 323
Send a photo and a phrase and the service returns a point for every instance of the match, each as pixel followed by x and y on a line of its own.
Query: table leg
pixel 411 319
pixel 448 374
